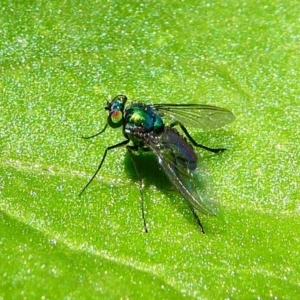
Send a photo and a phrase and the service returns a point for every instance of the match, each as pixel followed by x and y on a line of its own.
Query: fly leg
pixel 102 161
pixel 190 206
pixel 94 135
pixel 130 149
pixel 197 219
pixel 215 150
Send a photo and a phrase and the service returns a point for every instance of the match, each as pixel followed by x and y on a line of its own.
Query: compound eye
pixel 115 118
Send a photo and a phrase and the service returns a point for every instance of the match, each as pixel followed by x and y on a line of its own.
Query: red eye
pixel 116 116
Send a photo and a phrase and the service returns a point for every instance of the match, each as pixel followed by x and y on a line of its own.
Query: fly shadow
pixel 151 174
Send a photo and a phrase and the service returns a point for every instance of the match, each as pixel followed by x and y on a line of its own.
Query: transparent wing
pixel 201 116
pixel 172 152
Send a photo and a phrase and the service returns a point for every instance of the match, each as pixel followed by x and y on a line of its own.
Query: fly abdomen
pixel 181 149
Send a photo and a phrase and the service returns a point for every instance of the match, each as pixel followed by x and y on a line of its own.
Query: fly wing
pixel 202 116
pixel 179 161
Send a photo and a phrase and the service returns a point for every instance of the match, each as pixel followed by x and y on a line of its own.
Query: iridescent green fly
pixel 143 125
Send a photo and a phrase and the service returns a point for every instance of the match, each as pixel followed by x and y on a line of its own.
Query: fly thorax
pixel 141 118
pixel 134 134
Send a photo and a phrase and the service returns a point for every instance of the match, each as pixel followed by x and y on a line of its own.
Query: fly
pixel 143 125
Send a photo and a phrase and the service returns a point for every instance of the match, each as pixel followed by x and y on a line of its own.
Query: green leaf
pixel 59 62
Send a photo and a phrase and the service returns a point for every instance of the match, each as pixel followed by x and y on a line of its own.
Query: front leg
pixel 102 161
